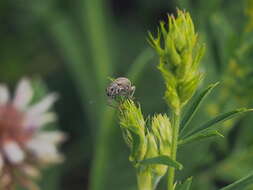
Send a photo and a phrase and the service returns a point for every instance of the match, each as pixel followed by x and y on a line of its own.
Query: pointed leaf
pixel 241 184
pixel 211 124
pixel 200 136
pixel 164 160
pixel 194 107
pixel 186 185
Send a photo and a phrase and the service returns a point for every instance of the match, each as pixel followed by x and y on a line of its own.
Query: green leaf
pixel 194 107
pixel 241 184
pixel 164 160
pixel 186 185
pixel 210 125
pixel 200 136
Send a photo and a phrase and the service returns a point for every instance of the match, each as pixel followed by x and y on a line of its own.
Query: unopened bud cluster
pixel 179 56
pixel 145 142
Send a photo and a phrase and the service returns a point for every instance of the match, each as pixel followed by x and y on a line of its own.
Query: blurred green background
pixel 75 45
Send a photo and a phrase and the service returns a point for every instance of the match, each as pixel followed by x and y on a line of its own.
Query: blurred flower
pixel 24 147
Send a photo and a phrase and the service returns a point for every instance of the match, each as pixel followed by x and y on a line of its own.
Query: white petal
pixel 23 94
pixel 1 163
pixel 13 152
pixel 44 151
pixel 43 105
pixel 4 94
pixel 38 121
pixel 53 137
pixel 47 118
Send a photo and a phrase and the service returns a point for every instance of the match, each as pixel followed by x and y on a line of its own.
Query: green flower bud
pixel 148 176
pixel 152 151
pixel 179 57
pixel 133 127
pixel 161 128
pixel 158 143
pixel 144 143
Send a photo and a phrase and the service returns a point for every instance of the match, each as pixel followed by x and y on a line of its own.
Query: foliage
pixel 161 142
pixel 76 46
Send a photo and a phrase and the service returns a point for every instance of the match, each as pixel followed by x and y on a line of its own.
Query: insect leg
pixel 132 91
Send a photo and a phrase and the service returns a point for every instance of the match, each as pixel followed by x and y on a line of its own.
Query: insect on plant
pixel 154 141
pixel 120 87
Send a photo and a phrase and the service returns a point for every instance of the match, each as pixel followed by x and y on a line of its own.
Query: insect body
pixel 120 87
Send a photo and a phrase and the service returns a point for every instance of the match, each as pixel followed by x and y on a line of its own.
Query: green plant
pixel 154 144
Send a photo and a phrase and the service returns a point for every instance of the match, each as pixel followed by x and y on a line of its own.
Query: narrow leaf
pixel 164 160
pixel 241 184
pixel 218 119
pixel 200 136
pixel 186 185
pixel 194 107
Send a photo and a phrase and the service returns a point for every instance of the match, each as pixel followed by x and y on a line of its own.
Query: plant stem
pixel 144 179
pixel 175 130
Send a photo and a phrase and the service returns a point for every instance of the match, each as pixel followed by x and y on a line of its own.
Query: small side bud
pixel 133 125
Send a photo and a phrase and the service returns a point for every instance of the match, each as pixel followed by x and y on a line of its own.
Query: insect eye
pixel 111 89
